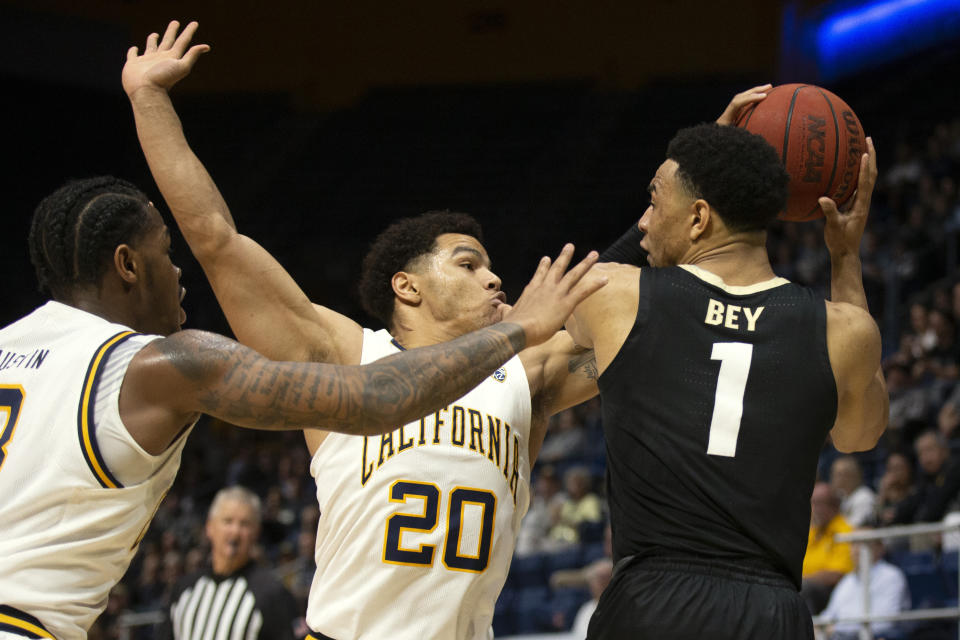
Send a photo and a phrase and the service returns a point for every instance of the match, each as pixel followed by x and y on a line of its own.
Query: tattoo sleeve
pixel 236 384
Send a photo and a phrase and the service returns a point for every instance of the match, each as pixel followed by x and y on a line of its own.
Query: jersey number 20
pixel 734 360
pixel 11 399
pixel 454 556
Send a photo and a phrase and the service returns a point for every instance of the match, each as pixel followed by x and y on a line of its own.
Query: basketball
pixel 819 139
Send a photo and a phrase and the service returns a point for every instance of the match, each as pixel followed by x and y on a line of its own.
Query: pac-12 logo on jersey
pixel 500 374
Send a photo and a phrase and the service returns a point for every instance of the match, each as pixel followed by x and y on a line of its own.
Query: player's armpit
pixel 853 341
pixel 561 373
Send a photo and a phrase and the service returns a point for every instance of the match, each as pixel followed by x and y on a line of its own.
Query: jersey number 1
pixel 11 399
pixel 734 360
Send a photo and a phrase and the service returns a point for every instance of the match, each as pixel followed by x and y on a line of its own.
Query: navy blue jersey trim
pixel 23 624
pixel 86 429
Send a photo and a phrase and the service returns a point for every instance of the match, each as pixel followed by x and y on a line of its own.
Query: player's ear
pixel 700 217
pixel 126 262
pixel 405 287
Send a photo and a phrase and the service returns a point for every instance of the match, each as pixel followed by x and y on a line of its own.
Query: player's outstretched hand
pixel 742 99
pixel 163 62
pixel 552 294
pixel 843 230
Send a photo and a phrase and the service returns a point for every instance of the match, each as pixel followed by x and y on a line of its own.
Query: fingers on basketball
pixel 819 139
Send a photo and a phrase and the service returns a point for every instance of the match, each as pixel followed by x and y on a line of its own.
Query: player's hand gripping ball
pixel 819 139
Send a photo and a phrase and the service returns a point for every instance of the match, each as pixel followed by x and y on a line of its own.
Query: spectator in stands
pixel 543 514
pixel 826 560
pixel 955 289
pixel 889 595
pixel 858 501
pixel 940 361
pixel 812 257
pixel 908 401
pixel 581 505
pixel 107 626
pixel 598 574
pixel 299 573
pixel 948 418
pixel 565 439
pixel 938 483
pixel 148 590
pixel 919 338
pixel 894 486
pixel 193 561
pixel 906 169
pixel 577 578
pixel 248 601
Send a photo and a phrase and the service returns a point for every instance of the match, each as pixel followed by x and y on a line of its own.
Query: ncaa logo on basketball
pixel 500 374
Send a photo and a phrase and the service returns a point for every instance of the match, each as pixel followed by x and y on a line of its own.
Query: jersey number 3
pixel 11 399
pixel 734 360
pixel 463 503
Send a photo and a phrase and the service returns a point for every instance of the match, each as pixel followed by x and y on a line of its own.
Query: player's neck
pixel 103 305
pixel 738 262
pixel 412 333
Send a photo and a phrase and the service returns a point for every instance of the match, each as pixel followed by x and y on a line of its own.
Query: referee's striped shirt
pixel 249 604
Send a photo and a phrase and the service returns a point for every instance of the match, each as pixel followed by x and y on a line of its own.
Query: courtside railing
pixel 865 561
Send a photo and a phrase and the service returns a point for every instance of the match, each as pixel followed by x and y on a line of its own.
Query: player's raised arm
pixel 853 336
pixel 863 406
pixel 172 379
pixel 244 276
pixel 844 230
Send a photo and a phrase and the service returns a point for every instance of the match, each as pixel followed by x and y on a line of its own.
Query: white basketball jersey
pixel 417 526
pixel 68 527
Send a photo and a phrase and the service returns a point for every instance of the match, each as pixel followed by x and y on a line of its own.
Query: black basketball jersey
pixel 715 410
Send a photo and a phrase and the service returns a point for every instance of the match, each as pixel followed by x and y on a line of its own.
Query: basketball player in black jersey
pixel 720 383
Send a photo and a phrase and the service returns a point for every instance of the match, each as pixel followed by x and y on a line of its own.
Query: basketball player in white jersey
pixel 418 526
pixel 95 404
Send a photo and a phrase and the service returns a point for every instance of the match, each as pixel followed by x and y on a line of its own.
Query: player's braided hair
pixel 76 229
pixel 736 171
pixel 397 247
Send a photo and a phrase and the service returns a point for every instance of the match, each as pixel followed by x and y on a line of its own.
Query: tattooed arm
pixel 173 379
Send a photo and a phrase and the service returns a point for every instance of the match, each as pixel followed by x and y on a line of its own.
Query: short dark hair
pixel 397 247
pixel 736 171
pixel 76 229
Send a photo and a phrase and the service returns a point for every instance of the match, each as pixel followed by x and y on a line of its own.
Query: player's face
pixel 232 530
pixel 163 291
pixel 457 285
pixel 665 223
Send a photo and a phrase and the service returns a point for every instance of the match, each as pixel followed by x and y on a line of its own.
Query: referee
pixel 232 597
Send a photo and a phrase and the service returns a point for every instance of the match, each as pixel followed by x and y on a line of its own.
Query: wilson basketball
pixel 819 139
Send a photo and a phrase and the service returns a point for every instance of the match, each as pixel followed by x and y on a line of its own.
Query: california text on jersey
pixel 463 427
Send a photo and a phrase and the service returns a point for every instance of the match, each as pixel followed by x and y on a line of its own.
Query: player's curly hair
pixel 737 172
pixel 76 229
pixel 397 247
